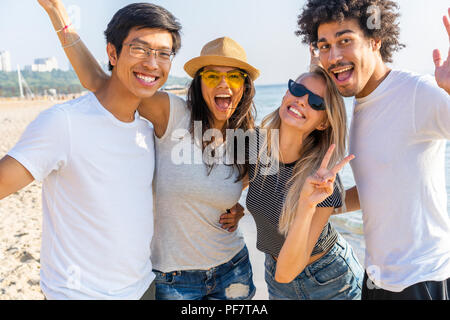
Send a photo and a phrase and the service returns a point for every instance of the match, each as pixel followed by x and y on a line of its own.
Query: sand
pixel 21 219
pixel 20 213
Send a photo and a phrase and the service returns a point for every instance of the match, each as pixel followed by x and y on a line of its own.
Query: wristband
pixel 72 44
pixel 64 28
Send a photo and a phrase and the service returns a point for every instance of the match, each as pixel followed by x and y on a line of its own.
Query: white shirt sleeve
pixel 45 144
pixel 432 110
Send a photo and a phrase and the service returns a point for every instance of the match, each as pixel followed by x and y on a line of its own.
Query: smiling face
pixel 296 113
pixel 221 100
pixel 349 57
pixel 142 76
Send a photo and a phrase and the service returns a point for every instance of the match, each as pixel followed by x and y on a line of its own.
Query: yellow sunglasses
pixel 235 78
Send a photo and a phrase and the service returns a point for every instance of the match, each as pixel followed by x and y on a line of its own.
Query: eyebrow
pixel 337 35
pixel 147 44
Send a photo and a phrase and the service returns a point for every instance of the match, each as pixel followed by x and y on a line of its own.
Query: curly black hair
pixel 387 29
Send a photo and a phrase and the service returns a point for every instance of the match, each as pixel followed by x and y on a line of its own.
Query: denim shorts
pixel 229 281
pixel 336 276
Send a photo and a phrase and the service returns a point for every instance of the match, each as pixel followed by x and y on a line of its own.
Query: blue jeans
pixel 336 276
pixel 229 281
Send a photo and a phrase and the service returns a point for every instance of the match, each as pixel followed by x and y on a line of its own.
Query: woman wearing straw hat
pixel 194 257
pixel 197 251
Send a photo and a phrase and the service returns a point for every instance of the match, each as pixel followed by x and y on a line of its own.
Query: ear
pixel 112 54
pixel 323 126
pixel 376 44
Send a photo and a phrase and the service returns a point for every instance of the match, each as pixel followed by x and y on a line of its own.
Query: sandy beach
pixel 21 217
pixel 20 213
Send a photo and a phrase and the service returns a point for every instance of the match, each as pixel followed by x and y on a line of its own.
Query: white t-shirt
pixel 97 177
pixel 398 135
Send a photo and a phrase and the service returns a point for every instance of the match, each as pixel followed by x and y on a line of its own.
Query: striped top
pixel 265 200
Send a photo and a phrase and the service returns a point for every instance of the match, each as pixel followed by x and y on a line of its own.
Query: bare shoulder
pixel 154 105
pixel 156 109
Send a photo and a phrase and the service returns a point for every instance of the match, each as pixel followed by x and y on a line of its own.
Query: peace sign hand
pixel 442 71
pixel 320 186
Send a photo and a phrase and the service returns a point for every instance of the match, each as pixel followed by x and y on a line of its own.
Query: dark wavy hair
pixel 141 15
pixel 317 12
pixel 243 117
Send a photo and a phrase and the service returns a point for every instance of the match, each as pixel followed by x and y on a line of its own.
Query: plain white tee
pixel 398 135
pixel 97 177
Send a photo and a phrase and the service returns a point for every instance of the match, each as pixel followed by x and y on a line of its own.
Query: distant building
pixel 5 61
pixel 43 65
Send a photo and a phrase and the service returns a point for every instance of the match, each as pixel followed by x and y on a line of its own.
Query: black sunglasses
pixel 298 90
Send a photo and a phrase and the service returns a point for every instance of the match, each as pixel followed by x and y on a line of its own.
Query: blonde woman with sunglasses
pixel 194 254
pixel 306 258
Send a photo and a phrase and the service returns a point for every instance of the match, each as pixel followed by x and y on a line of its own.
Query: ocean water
pixel 268 98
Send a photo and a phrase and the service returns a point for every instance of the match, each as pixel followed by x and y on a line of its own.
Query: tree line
pixel 64 82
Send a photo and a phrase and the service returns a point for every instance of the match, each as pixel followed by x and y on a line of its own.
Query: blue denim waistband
pixel 227 265
pixel 338 248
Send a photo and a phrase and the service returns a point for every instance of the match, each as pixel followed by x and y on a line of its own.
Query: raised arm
pixel 309 221
pixel 90 73
pixel 13 176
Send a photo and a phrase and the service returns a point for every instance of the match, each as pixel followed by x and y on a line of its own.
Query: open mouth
pixel 344 74
pixel 292 110
pixel 223 101
pixel 146 80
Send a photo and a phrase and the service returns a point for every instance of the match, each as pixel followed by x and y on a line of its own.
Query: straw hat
pixel 221 52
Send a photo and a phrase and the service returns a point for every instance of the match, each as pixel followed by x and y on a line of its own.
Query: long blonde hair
pixel 314 147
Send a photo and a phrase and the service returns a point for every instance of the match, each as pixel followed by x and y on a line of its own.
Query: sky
pixel 265 28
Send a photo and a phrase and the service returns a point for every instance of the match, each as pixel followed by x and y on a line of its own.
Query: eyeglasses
pixel 298 90
pixel 235 78
pixel 141 52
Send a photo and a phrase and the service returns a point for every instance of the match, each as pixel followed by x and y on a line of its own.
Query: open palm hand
pixel 442 71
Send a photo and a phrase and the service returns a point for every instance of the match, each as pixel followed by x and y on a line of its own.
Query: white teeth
pixel 343 70
pixel 296 112
pixel 223 96
pixel 146 79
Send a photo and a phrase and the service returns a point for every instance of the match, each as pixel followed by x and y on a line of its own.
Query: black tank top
pixel 265 200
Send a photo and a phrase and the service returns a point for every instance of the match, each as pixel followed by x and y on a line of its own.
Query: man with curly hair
pixel 400 127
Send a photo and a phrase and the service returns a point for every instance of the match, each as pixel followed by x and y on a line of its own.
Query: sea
pixel 267 99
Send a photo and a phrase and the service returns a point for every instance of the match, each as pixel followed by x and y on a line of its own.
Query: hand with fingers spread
pixel 442 71
pixel 230 219
pixel 320 186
